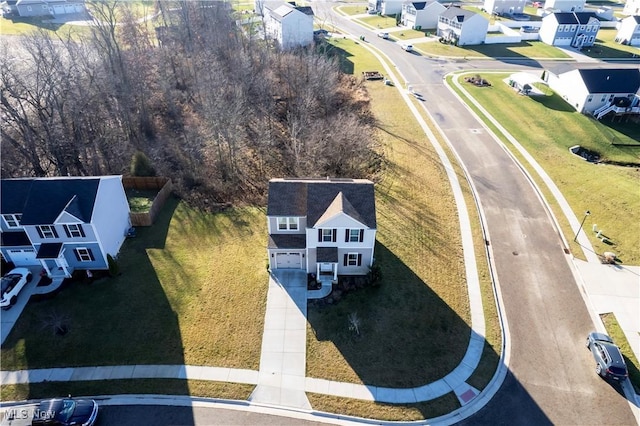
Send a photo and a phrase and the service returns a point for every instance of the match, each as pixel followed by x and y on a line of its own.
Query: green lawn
pixel 606 47
pixel 192 290
pixel 407 34
pixel 419 301
pixel 525 49
pixel 547 126
pixel 140 200
pixel 22 26
pixel 378 21
pixel 353 10
pixel 616 333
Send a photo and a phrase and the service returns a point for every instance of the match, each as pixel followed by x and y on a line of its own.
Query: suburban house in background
pixel 324 226
pixel 599 92
pixel 631 8
pixel 629 31
pixel 504 6
pixel 461 26
pixel 290 25
pixel 421 15
pixel 42 7
pixel 386 7
pixel 564 5
pixel 63 223
pixel 576 29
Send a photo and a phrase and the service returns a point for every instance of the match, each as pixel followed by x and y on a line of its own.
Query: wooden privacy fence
pixel 163 185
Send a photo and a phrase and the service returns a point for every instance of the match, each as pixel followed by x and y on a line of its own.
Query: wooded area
pixel 213 106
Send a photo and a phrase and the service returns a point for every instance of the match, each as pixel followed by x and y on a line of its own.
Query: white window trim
pixel 351 235
pixel 290 223
pixel 350 261
pixel 327 232
pixel 13 218
pixel 83 254
pixel 47 231
pixel 74 230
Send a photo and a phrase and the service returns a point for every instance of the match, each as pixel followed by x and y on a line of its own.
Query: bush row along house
pixel 63 223
pixel 326 227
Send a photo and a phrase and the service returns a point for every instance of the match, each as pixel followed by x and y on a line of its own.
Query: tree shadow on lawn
pixel 408 336
pixel 121 320
pixel 333 51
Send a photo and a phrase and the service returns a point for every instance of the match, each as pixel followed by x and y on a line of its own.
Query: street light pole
pixel 587 213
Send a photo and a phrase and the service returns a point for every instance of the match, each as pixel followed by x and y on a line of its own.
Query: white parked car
pixel 407 47
pixel 383 35
pixel 12 284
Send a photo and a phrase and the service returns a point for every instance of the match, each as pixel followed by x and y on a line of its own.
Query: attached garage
pixel 23 257
pixel 288 260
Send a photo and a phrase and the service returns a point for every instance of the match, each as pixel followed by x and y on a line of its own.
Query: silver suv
pixel 609 361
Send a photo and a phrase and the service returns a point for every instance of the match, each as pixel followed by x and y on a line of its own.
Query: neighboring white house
pixel 629 31
pixel 44 7
pixel 291 26
pixel 324 226
pixel 63 223
pixel 461 26
pixel 386 7
pixel 504 6
pixel 565 5
pixel 598 92
pixel 631 8
pixel 422 14
pixel 575 29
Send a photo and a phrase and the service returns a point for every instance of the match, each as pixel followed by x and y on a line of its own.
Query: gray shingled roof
pixel 327 254
pixel 287 241
pixel 611 80
pixel 458 14
pixel 312 198
pixel 583 17
pixel 41 200
pixel 565 18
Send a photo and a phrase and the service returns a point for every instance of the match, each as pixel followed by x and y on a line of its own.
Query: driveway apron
pixel 281 379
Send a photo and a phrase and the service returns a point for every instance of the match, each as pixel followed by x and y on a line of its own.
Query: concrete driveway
pixel 9 317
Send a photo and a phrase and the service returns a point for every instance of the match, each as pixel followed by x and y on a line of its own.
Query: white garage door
pixel 24 257
pixel 288 261
pixel 58 9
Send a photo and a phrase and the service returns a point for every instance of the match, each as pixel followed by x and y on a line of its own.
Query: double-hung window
pixel 327 235
pixel 74 231
pixel 84 254
pixel 287 223
pixel 352 259
pixel 47 231
pixel 12 220
pixel 354 235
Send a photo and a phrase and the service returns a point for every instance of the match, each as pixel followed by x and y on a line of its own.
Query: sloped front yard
pixel 191 289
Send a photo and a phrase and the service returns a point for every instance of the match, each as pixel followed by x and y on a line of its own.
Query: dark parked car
pixel 66 412
pixel 609 361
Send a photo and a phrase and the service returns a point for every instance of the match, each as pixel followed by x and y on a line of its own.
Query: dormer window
pixel 12 220
pixel 288 224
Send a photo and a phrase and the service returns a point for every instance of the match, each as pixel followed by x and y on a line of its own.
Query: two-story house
pixel 290 25
pixel 422 14
pixel 504 6
pixel 629 31
pixel 565 5
pixel 63 223
pixel 462 26
pixel 597 92
pixel 386 7
pixel 324 226
pixel 575 29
